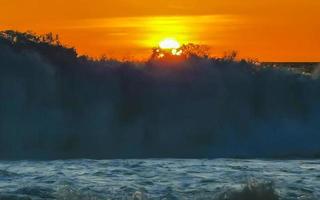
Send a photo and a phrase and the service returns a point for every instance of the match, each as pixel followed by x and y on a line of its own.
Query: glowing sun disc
pixel 169 44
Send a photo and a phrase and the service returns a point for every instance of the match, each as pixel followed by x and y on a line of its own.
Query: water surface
pixel 160 179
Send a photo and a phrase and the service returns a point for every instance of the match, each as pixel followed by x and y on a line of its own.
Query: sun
pixel 169 44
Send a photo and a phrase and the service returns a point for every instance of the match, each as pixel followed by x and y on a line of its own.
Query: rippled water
pixel 161 179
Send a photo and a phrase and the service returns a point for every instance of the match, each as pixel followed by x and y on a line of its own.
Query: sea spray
pixel 55 104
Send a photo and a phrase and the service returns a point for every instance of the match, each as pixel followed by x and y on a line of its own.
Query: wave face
pixel 58 105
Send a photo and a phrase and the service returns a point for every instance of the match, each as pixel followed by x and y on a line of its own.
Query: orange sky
pixel 267 30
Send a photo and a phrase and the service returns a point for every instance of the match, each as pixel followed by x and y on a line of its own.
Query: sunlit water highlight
pixel 160 179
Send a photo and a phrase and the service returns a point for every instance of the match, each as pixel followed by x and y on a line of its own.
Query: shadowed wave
pixel 56 104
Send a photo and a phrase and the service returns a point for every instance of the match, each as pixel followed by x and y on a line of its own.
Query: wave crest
pixel 57 105
pixel 251 191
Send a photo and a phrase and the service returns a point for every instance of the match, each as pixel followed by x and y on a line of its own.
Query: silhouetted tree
pixel 230 56
pixel 196 50
pixel 184 52
pixel 48 45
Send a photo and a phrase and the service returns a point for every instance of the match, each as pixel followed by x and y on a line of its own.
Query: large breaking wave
pixel 55 104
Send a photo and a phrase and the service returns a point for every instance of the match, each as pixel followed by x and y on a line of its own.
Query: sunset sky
pixel 267 30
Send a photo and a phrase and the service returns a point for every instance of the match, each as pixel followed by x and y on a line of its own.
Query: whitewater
pixel 57 108
pixel 58 105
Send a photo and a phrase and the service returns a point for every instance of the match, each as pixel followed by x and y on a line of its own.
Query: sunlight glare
pixel 169 44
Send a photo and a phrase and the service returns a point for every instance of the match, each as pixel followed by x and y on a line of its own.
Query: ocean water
pixel 217 179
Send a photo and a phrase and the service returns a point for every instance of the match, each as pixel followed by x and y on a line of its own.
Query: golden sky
pixel 267 30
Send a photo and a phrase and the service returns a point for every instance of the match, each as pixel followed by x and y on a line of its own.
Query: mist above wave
pixel 56 104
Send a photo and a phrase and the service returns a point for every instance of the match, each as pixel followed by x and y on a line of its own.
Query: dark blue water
pixel 161 179
pixel 57 105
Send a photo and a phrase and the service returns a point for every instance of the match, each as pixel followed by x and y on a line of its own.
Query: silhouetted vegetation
pixel 47 45
pixel 184 52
